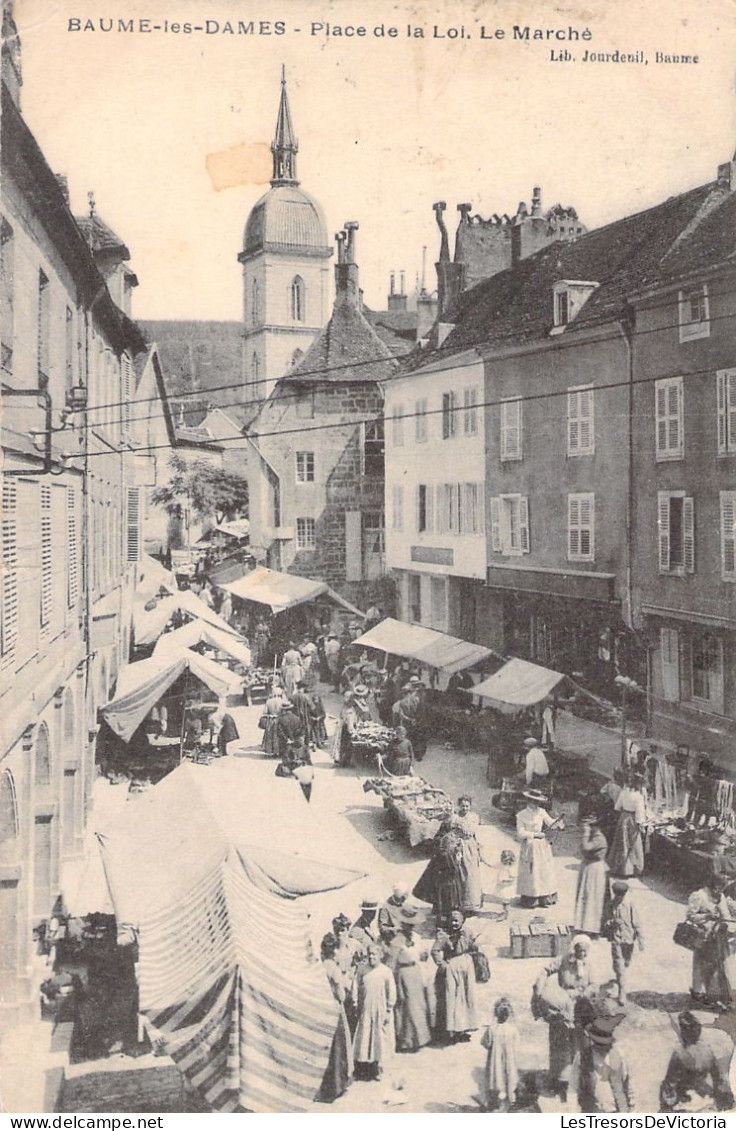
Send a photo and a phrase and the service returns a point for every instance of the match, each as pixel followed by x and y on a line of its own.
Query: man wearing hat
pixel 290 733
pixel 409 713
pixel 365 928
pixel 600 1077
pixel 536 767
pixel 623 929
pixel 389 914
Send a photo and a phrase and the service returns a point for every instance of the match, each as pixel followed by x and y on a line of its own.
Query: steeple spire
pixel 284 146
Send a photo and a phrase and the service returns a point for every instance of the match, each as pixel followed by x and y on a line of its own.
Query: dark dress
pixel 442 882
pixel 290 734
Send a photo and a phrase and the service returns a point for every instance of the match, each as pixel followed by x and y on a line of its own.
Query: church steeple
pixel 284 146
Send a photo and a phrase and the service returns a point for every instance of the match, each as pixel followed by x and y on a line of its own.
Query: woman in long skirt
pixel 537 883
pixel 339 1071
pixel 455 980
pixel 270 718
pixel 442 883
pixel 413 1020
pixel 592 890
pixel 626 855
pixel 466 824
pixel 374 1036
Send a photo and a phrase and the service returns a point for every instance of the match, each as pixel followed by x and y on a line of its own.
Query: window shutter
pixel 586 527
pixel 573 425
pixel 686 683
pixel 663 522
pixel 731 411
pixel 524 524
pixel 728 535
pixel 670 655
pixel 429 508
pixel 586 420
pixel 573 527
pixel 133 525
pixel 661 412
pixel 688 534
pixel 46 558
pixel 10 569
pixel 496 523
pixel 722 386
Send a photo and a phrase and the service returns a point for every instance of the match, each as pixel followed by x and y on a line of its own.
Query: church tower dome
pixel 285 268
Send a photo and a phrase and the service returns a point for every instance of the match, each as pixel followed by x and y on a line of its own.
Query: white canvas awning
pixel 197 632
pixel 148 624
pixel 425 645
pixel 518 685
pixel 282 591
pixel 141 685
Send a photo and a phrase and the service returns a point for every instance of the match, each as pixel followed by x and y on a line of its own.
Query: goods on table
pixel 418 807
pixel 539 939
pixel 256 684
pixel 370 740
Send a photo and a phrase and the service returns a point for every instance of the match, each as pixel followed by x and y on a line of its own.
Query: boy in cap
pixel 600 1078
pixel 623 929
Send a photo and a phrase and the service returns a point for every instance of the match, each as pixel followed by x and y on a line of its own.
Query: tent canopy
pixel 142 684
pixel 518 685
pixel 282 591
pixel 425 645
pixel 226 976
pixel 152 576
pixel 148 624
pixel 198 632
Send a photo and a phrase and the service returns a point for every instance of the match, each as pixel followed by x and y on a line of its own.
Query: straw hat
pixel 535 795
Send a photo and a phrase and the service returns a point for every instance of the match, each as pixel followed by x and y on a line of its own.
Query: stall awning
pixel 148 624
pixel 141 685
pixel 282 591
pixel 425 645
pixel 151 576
pixel 198 632
pixel 518 685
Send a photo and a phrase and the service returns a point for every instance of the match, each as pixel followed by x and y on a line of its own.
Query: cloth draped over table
pixel 141 685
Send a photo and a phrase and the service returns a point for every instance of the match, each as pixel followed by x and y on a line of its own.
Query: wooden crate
pixel 539 940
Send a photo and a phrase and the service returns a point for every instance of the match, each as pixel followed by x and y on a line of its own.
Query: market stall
pixel 416 806
pixel 370 742
pixel 282 591
pixel 201 632
pixel 426 646
pixel 151 615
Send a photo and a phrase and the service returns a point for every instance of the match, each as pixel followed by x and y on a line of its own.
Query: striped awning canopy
pixel 427 646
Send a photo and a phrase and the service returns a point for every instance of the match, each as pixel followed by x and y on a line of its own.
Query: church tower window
pixel 297 299
pixel 256 303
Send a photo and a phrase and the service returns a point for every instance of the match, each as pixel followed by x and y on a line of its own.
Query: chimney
pixel 347 287
pixel 448 274
pixel 397 300
pixel 393 283
pixel 64 186
pixel 536 201
pixel 727 174
pixel 401 276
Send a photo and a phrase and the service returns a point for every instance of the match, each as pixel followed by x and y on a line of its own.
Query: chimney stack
pixel 536 201
pixel 448 273
pixel 347 286
pixel 64 186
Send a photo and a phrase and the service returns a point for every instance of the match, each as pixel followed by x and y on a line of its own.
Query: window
pixel 44 327
pixel 415 598
pixel 256 301
pixel 420 421
pixel 7 294
pixel 706 669
pixel 374 533
pixel 694 313
pixel 728 535
pixel 425 496
pixel 9 580
pixel 397 508
pixel 669 418
pixel 448 415
pixel 448 508
pixel 510 524
pixel 562 308
pixel 471 508
pixel 397 425
pixel 46 558
pixel 305 405
pixel 373 448
pixel 306 536
pixel 72 576
pixel 133 525
pixel 297 299
pixel 580 426
pixel 470 411
pixel 511 439
pixel 676 532
pixel 581 528
pixel 726 394
pixel 305 467
pixel 669 648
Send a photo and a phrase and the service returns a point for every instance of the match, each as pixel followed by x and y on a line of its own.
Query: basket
pixel 539 940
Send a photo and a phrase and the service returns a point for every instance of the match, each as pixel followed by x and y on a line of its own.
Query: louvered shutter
pixel 133 525
pixel 669 647
pixel 722 388
pixel 731 411
pixel 661 406
pixel 524 524
pixel 573 527
pixel 728 535
pixel 686 682
pixel 429 508
pixel 10 570
pixel 46 558
pixel 496 523
pixel 573 424
pixel 72 594
pixel 663 523
pixel 586 419
pixel 586 523
pixel 688 534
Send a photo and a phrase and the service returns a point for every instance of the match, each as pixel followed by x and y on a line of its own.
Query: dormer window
pixel 694 313
pixel 569 296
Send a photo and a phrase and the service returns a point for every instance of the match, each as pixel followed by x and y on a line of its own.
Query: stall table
pixel 418 807
pixel 371 741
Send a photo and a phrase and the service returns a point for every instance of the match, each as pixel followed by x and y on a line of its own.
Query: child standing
pixel 623 929
pixel 502 1073
pixel 506 881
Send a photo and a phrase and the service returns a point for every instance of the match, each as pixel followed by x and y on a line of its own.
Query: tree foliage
pixel 204 489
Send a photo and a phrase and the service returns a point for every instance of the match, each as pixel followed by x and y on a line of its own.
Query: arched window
pixel 9 827
pixel 296 357
pixel 256 301
pixel 42 764
pixel 297 299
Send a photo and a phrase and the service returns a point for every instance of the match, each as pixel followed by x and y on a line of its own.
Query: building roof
pixel 198 357
pixel 516 305
pixel 397 329
pixel 286 218
pixel 347 349
pixel 100 236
